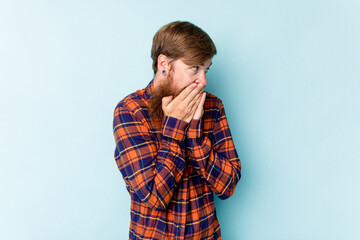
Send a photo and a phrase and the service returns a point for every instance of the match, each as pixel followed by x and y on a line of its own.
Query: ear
pixel 163 62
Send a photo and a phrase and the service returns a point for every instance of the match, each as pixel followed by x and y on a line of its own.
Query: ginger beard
pixel 165 88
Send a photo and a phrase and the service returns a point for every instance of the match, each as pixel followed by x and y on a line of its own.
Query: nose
pixel 202 78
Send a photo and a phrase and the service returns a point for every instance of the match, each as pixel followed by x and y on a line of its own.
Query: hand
pixel 183 107
pixel 200 109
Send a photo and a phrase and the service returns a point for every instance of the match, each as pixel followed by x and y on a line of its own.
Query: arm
pixel 219 164
pixel 151 173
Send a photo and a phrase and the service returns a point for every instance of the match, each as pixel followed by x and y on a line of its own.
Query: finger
pixel 184 93
pixel 192 103
pixel 200 107
pixel 203 97
pixel 191 91
pixel 200 102
pixel 166 100
pixel 194 94
pixel 193 109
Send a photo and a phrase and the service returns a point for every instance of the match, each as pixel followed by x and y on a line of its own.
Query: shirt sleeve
pixel 152 172
pixel 219 163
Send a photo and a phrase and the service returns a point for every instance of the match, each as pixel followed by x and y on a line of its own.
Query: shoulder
pixel 213 102
pixel 130 103
pixel 213 109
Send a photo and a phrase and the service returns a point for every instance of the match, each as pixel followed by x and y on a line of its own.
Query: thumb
pixel 166 100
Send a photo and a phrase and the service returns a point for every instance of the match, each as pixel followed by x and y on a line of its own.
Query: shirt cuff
pixel 195 128
pixel 174 128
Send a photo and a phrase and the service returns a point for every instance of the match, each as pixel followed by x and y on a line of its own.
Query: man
pixel 173 144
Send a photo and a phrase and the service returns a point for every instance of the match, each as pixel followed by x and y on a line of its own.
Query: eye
pixel 195 69
pixel 206 71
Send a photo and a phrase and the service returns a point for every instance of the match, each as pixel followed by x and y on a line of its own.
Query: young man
pixel 173 144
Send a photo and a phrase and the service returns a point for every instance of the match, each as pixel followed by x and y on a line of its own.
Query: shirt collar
pixel 149 89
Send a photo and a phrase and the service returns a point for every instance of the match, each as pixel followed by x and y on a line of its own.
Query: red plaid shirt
pixel 171 173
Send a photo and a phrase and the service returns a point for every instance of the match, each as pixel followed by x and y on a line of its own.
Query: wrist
pixel 174 128
pixel 195 128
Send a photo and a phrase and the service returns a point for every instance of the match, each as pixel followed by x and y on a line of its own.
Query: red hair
pixel 184 40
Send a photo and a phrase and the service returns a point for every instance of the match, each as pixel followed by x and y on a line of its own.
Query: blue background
pixel 288 74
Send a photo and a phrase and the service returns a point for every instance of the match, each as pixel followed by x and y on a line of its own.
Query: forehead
pixel 207 63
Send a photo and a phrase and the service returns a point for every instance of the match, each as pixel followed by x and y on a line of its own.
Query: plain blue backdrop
pixel 288 73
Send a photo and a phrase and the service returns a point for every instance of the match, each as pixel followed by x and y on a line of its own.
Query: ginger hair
pixel 182 40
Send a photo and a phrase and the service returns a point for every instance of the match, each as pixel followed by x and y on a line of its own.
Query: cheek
pixel 188 79
pixel 182 80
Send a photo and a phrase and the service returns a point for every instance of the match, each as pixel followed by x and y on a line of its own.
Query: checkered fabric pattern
pixel 171 173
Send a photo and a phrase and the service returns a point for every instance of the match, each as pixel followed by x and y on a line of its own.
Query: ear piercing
pixel 163 72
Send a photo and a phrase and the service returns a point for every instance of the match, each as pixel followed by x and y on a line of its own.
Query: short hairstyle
pixel 181 39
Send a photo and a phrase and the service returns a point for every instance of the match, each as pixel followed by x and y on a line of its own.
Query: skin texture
pixel 182 88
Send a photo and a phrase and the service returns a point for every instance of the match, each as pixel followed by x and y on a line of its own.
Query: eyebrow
pixel 209 65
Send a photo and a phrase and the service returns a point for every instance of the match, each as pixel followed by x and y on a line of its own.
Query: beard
pixel 165 88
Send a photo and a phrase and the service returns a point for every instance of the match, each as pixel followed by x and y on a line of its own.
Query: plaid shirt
pixel 172 173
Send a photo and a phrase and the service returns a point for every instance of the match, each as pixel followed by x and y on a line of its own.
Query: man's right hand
pixel 183 107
